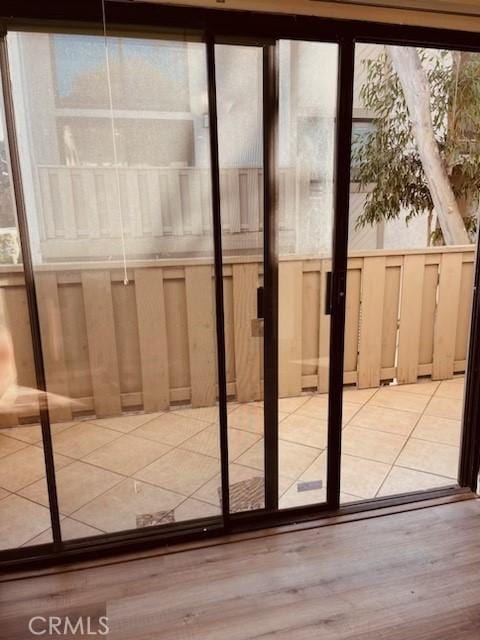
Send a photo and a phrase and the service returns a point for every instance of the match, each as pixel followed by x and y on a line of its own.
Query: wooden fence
pixel 151 343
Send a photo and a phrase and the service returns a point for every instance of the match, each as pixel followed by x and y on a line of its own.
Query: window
pixel 149 75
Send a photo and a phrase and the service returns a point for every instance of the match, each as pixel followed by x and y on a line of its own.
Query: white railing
pixel 161 209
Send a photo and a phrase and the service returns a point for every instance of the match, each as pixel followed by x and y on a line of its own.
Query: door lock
pixel 258 322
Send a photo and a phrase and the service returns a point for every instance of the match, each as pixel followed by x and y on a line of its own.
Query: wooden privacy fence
pixel 407 316
pixel 162 209
pixel 151 343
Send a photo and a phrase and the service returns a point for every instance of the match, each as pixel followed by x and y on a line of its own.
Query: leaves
pixel 387 158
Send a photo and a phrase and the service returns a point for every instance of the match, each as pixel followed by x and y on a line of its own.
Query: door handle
pixel 257 323
pixel 328 293
pixel 339 291
pixel 260 313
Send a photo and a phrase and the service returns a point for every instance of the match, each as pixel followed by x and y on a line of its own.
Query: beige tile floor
pixel 109 472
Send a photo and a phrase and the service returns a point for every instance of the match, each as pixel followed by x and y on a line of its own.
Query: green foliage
pixel 387 157
pixel 7 214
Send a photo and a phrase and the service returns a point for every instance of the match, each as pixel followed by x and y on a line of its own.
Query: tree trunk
pixel 408 67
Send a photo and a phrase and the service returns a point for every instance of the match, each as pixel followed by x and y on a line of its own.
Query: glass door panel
pixel 118 185
pixel 306 135
pixel 410 268
pixel 240 125
pixel 22 521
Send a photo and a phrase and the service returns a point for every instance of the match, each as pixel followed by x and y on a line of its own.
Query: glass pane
pixel 123 252
pixel 308 99
pixel 239 99
pixel 410 267
pixel 24 519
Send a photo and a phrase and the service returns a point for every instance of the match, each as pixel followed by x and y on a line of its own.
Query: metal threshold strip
pixel 156 544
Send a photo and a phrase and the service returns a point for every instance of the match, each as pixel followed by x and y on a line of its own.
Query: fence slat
pixel 16 306
pixel 253 202
pixel 175 203
pixel 72 310
pixel 113 214
pixel 234 197
pixel 302 222
pixel 125 212
pixel 410 319
pixel 311 309
pixel 464 311
pixel 81 207
pixel 90 194
pixel 429 304
pixel 290 197
pixel 153 204
pixel 133 205
pixel 152 329
pixel 445 331
pixel 7 418
pixel 102 203
pixel 206 199
pixel 52 343
pixel 47 220
pixel 390 317
pixel 201 335
pixel 370 343
pixel 247 347
pixel 195 202
pixel 225 201
pixel 290 328
pixel 177 330
pixel 102 347
pixel 65 188
pixel 324 331
pixel 165 203
pixel 144 201
pixel 352 321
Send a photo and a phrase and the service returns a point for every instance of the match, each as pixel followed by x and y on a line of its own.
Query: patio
pixel 140 469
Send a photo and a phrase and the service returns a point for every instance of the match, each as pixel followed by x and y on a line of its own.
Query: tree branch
pixel 413 80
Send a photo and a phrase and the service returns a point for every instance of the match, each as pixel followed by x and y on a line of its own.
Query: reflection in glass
pixel 23 521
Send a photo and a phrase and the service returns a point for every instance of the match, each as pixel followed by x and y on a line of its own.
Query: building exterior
pixel 117 150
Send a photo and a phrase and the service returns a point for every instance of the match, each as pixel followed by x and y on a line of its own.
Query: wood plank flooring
pixel 405 576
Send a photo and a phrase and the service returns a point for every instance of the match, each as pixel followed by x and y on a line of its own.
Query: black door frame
pixel 211 25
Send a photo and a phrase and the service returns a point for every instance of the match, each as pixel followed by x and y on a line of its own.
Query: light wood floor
pixel 408 576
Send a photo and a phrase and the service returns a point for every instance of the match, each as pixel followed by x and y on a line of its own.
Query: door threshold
pixel 349 513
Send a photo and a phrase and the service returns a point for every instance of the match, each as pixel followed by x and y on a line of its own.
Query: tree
pixel 423 155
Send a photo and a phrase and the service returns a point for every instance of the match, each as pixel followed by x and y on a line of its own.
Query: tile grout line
pixel 404 446
pixel 402 449
pixel 180 447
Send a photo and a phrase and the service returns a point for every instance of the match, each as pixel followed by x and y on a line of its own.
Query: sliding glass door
pixel 114 149
pixel 219 308
pixel 277 258
pixel 240 114
pixel 412 233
